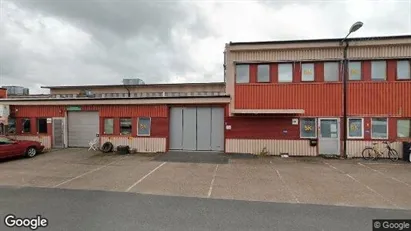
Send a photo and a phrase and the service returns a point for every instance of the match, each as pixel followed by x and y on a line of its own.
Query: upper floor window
pixel 242 73
pixel 403 69
pixel 378 70
pixel 307 72
pixel 285 72
pixel 354 70
pixel 331 72
pixel 263 73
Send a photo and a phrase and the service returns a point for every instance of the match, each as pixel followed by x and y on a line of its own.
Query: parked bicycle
pixel 374 152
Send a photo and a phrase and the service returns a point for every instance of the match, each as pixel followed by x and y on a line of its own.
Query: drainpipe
pixel 128 90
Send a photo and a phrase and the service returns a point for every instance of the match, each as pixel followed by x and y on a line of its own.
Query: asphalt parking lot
pixel 381 184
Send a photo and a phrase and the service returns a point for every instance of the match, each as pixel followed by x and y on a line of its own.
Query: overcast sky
pixel 70 42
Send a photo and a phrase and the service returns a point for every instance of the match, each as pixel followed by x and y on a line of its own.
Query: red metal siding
pixel 319 72
pixel 261 128
pixel 391 70
pixel 324 99
pixel 253 73
pixel 159 127
pixel 274 73
pixel 314 98
pixel 296 72
pixel 38 111
pixel 366 70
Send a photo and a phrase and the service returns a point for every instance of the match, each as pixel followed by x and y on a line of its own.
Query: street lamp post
pixel 353 28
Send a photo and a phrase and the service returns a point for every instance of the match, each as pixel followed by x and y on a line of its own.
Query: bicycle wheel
pixel 368 153
pixel 393 155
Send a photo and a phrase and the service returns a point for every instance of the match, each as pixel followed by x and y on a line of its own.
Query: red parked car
pixel 10 148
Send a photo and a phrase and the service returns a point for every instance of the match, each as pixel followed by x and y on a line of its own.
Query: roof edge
pixel 132 85
pixel 407 36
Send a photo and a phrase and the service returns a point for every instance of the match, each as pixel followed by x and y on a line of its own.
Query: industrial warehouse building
pixel 278 96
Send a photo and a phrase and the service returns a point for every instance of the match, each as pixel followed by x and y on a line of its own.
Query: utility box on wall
pixel 4 111
pixel 313 142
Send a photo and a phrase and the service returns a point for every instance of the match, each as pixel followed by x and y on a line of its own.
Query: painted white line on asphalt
pixel 366 186
pixel 144 177
pixel 372 190
pixel 86 173
pixel 286 186
pixel 385 175
pixel 212 182
pixel 335 168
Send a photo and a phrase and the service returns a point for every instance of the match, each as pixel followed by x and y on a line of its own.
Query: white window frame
pixel 409 119
pixel 362 128
pixel 236 72
pixel 379 138
pixel 292 72
pixel 258 73
pixel 138 122
pixel 337 71
pixel 385 68
pixel 313 72
pixel 315 128
pixel 409 70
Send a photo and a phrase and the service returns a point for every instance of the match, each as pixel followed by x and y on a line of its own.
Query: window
pixel 144 126
pixel 26 125
pixel 378 70
pixel 308 128
pixel 355 128
pixel 263 73
pixel 12 126
pixel 331 72
pixel 354 70
pixel 403 69
pixel 125 126
pixel 42 125
pixel 404 128
pixel 285 72
pixel 108 126
pixel 242 73
pixel 379 128
pixel 307 72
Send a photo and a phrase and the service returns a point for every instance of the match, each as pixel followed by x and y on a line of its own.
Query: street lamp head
pixel 356 26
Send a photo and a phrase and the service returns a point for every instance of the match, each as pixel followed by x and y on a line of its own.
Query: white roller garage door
pixel 82 128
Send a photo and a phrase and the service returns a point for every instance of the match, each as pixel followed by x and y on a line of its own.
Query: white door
pixel 329 136
pixel 82 128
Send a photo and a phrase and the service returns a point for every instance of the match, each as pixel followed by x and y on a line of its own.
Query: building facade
pixel 287 93
pixel 278 97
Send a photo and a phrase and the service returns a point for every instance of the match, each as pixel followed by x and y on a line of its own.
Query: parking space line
pixel 83 174
pixel 366 186
pixel 210 190
pixel 144 177
pixel 286 186
pixel 385 175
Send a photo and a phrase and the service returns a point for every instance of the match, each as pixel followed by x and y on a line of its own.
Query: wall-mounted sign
pixel 49 120
pixel 285 131
pixel 73 108
pixel 228 127
pixel 294 121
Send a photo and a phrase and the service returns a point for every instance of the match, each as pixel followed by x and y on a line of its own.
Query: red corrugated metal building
pixel 277 96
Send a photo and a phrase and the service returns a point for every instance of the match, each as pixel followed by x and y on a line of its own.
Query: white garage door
pixel 82 128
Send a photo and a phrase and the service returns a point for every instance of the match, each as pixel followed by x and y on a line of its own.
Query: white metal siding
pixel 82 128
pixel 45 140
pixel 274 147
pixel 141 144
pixel 355 147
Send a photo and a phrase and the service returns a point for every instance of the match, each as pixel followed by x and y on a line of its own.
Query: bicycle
pixel 374 152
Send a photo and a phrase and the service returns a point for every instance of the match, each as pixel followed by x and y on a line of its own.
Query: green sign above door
pixel 73 108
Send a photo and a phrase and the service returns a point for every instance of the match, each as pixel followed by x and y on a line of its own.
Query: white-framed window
pixel 263 73
pixel 242 73
pixel 355 127
pixel 108 126
pixel 308 128
pixel 285 73
pixel 331 71
pixel 404 128
pixel 403 69
pixel 379 128
pixel 144 126
pixel 126 126
pixel 354 71
pixel 378 70
pixel 307 72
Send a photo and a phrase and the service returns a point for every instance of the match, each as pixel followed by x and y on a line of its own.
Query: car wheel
pixel 31 152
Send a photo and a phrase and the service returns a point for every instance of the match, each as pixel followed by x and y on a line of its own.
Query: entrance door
pixel 58 133
pixel 329 137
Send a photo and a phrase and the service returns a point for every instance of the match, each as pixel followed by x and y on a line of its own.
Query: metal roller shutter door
pixel 82 128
